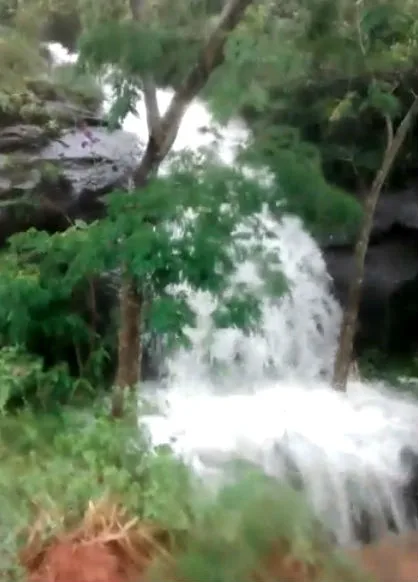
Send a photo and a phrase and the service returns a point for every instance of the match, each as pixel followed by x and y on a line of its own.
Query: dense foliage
pixel 312 77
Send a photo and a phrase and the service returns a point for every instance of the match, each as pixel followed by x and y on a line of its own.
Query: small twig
pixel 389 132
pixel 358 27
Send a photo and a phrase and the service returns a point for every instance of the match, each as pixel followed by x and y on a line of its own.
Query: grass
pixel 57 465
pixel 19 58
pixel 59 462
pixel 80 88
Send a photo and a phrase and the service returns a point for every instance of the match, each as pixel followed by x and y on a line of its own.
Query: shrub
pixel 58 462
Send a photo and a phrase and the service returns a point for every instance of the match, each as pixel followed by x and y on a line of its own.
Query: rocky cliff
pixel 57 158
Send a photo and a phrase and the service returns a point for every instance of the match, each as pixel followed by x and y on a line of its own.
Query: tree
pixel 134 234
pixel 381 97
pixel 368 48
pixel 267 57
pixel 348 327
pixel 41 270
pixel 162 134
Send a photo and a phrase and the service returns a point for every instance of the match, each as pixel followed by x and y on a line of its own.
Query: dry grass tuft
pixel 108 546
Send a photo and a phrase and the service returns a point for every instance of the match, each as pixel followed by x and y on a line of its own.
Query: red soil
pixel 66 562
pixel 111 548
pixel 106 547
pixel 393 559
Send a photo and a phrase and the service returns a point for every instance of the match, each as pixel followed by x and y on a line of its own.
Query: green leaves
pixel 126 96
pixel 241 310
pixel 133 47
pixel 169 314
pixel 59 463
pixel 381 98
pixel 386 22
pixel 179 230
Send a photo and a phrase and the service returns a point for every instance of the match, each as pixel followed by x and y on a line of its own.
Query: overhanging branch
pixel 210 57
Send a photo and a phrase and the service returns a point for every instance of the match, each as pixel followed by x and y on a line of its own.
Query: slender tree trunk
pixel 129 344
pixel 349 322
pixel 162 132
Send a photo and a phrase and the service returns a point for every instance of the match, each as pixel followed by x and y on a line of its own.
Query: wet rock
pixel 389 304
pixel 48 182
pixel 22 136
pixel 410 491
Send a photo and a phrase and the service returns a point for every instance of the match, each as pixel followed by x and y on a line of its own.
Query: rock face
pixel 389 305
pixel 55 172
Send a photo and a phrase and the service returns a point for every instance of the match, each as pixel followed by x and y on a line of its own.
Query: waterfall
pixel 271 403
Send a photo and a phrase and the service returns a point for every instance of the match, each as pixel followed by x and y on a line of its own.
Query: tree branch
pixel 348 327
pixel 394 144
pixel 148 84
pixel 160 140
pixel 389 133
pixel 151 107
pixel 210 57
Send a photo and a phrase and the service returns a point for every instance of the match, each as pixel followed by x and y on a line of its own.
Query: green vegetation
pixel 27 82
pixel 53 465
pixel 316 79
pixel 398 372
pixel 58 462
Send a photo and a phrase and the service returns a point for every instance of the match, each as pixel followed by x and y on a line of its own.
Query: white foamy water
pixel 264 396
pixel 271 406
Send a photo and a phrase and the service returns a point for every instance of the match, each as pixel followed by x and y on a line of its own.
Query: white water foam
pixel 272 404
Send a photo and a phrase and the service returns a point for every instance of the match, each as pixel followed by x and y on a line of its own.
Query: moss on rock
pixel 29 85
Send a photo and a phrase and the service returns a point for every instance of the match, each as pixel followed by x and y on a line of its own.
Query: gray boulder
pixel 56 170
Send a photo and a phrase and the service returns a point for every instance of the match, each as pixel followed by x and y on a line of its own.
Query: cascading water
pixel 271 404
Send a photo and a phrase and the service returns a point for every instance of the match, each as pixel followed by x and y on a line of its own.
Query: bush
pixel 58 463
pixel 55 466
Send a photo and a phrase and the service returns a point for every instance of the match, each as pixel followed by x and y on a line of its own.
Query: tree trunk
pixel 162 134
pixel 349 322
pixel 129 344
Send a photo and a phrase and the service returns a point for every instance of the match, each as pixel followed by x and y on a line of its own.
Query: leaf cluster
pixel 24 379
pixel 180 229
pixel 256 527
pixel 39 315
pixel 331 69
pixel 303 190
